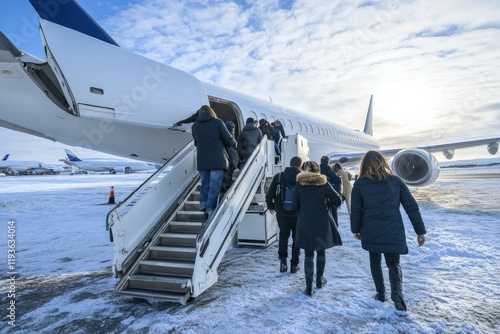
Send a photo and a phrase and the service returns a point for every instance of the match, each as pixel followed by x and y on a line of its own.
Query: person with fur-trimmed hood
pixel 316 229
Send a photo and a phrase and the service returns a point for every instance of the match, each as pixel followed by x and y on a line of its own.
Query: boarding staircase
pixel 164 247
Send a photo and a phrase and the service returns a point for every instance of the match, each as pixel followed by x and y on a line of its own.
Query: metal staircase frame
pixel 139 222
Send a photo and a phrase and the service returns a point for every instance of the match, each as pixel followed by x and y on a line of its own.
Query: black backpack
pixel 286 190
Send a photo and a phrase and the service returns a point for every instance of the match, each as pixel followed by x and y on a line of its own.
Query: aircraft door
pixel 103 81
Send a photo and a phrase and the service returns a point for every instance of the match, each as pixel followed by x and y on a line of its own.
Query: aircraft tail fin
pixel 69 14
pixel 71 156
pixel 6 157
pixel 369 119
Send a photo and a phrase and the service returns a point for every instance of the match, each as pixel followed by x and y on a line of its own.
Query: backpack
pixel 286 190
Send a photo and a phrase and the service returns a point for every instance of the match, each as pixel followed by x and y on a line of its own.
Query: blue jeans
pixel 211 183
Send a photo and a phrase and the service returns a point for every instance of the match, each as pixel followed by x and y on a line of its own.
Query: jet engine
pixel 415 167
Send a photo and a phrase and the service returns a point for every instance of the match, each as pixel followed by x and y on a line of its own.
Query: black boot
pixel 283 267
pixel 309 270
pixel 396 279
pixel 320 268
pixel 378 276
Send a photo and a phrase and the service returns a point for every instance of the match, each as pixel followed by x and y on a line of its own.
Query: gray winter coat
pixel 314 229
pixel 211 137
pixel 375 214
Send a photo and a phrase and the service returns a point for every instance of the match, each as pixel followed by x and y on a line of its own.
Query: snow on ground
pixel 64 282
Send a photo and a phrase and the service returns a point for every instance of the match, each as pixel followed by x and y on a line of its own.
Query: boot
pixel 283 267
pixel 396 279
pixel 380 296
pixel 294 268
pixel 378 280
pixel 309 270
pixel 320 281
pixel 320 268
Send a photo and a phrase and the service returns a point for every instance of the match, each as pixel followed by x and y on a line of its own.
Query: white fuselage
pixel 123 104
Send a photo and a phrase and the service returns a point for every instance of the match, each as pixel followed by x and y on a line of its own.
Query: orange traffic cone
pixel 112 196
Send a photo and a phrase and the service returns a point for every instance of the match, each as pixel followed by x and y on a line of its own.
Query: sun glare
pixel 406 102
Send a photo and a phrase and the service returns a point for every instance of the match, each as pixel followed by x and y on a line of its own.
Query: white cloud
pixel 432 66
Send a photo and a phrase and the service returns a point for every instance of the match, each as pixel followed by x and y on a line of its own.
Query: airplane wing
pixel 448 150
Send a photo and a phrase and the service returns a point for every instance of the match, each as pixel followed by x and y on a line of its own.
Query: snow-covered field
pixel 64 282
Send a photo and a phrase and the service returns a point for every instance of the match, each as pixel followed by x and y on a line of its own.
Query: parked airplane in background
pixel 16 167
pixel 106 165
pixel 92 93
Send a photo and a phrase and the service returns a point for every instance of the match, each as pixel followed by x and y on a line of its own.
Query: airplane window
pixel 311 128
pixel 262 116
pixel 253 115
pixel 300 125
pixel 290 124
pixel 319 131
pixel 271 119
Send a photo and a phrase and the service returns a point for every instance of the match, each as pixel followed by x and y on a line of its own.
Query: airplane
pixel 91 93
pixel 16 167
pixel 111 166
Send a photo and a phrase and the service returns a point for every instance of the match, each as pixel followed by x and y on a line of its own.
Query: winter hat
pixel 230 126
pixel 250 120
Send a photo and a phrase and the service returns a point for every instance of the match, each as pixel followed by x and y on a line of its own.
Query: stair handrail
pixel 223 223
pixel 134 194
pixel 148 206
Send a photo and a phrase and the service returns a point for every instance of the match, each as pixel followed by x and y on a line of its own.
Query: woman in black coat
pixel 316 229
pixel 377 222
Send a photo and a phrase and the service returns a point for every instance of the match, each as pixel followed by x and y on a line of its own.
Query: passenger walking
pixel 316 229
pixel 346 185
pixel 266 129
pixel 248 140
pixel 333 179
pixel 377 222
pixel 211 138
pixel 287 219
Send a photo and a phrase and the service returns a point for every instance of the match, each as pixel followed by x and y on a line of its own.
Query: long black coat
pixel 314 229
pixel 211 137
pixel 375 214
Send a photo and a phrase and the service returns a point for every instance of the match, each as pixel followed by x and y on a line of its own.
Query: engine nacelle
pixel 448 154
pixel 493 148
pixel 415 167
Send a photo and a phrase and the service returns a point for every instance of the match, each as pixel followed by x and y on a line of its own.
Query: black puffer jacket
pixel 248 140
pixel 314 231
pixel 211 137
pixel 275 202
pixel 375 214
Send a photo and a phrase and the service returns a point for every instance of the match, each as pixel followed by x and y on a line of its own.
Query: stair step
pixel 158 283
pixel 166 268
pixel 172 297
pixel 173 253
pixel 185 227
pixel 178 239
pixel 191 205
pixel 194 196
pixel 194 215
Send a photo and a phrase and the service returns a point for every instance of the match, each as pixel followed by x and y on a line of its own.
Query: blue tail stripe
pixel 70 15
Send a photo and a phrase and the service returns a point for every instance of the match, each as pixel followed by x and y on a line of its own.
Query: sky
pixel 65 285
pixel 432 67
